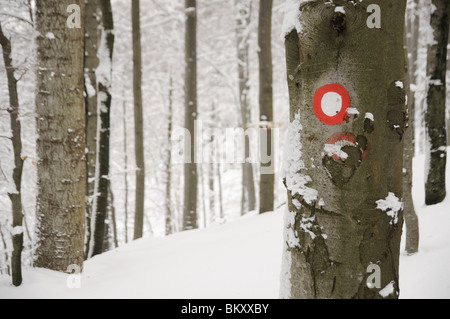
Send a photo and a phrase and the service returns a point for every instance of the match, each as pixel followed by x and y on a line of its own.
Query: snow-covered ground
pixel 240 259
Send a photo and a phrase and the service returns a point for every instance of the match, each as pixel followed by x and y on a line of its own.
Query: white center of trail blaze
pixel 331 103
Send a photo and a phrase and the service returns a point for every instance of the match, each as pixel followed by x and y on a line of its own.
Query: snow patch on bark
pixel 388 290
pixel 294 166
pixel 392 205
pixel 292 17
pixel 18 230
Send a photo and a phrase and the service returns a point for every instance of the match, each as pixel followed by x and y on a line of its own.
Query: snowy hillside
pixel 240 259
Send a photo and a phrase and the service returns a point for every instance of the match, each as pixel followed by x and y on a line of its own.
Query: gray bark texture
pixel 344 214
pixel 138 121
pixel 190 168
pixel 169 214
pixel 125 176
pixel 104 88
pixel 411 218
pixel 16 139
pixel 61 169
pixel 435 188
pixel 91 62
pixel 244 9
pixel 267 180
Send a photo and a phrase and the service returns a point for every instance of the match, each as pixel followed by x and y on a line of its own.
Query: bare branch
pixel 17 17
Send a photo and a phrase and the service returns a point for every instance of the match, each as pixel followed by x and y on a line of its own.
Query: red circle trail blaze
pixel 342 115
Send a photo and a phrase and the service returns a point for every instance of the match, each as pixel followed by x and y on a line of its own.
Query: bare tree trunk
pixel 169 217
pixel 138 122
pixel 106 48
pixel 125 208
pixel 411 219
pixel 61 169
pixel 219 177
pixel 113 217
pixel 266 191
pixel 91 62
pixel 16 139
pixel 203 197
pixel 343 166
pixel 212 194
pixel 244 8
pixel 190 168
pixel 436 151
pixel 5 250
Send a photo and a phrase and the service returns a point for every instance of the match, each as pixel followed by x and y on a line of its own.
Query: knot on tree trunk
pixel 338 22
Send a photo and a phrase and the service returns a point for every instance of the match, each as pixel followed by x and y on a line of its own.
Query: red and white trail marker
pixel 331 104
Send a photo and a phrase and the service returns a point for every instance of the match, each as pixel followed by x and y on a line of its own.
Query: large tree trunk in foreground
pixel 190 167
pixel 16 138
pixel 267 184
pixel 344 165
pixel 436 150
pixel 61 169
pixel 138 122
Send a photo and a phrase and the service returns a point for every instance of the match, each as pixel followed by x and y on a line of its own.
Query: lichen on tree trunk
pixel 344 214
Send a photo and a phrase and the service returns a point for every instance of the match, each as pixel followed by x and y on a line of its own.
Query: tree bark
pixel 169 217
pixel 138 122
pixel 113 217
pixel 5 250
pixel 344 214
pixel 244 8
pixel 190 168
pixel 61 169
pixel 219 180
pixel 266 197
pixel 411 219
pixel 436 151
pixel 91 62
pixel 106 48
pixel 16 138
pixel 125 177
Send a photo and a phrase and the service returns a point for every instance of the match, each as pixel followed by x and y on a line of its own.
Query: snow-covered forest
pixel 206 149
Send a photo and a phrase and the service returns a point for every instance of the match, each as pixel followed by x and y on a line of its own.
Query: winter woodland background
pixel 162 25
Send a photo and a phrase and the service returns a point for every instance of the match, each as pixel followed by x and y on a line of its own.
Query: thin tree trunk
pixel 190 168
pixel 104 79
pixel 125 168
pixel 436 151
pixel 413 52
pixel 266 197
pixel 5 249
pixel 203 197
pixel 243 8
pixel 91 63
pixel 61 169
pixel 411 219
pixel 113 217
pixel 219 177
pixel 344 217
pixel 169 216
pixel 16 139
pixel 138 122
pixel 212 171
